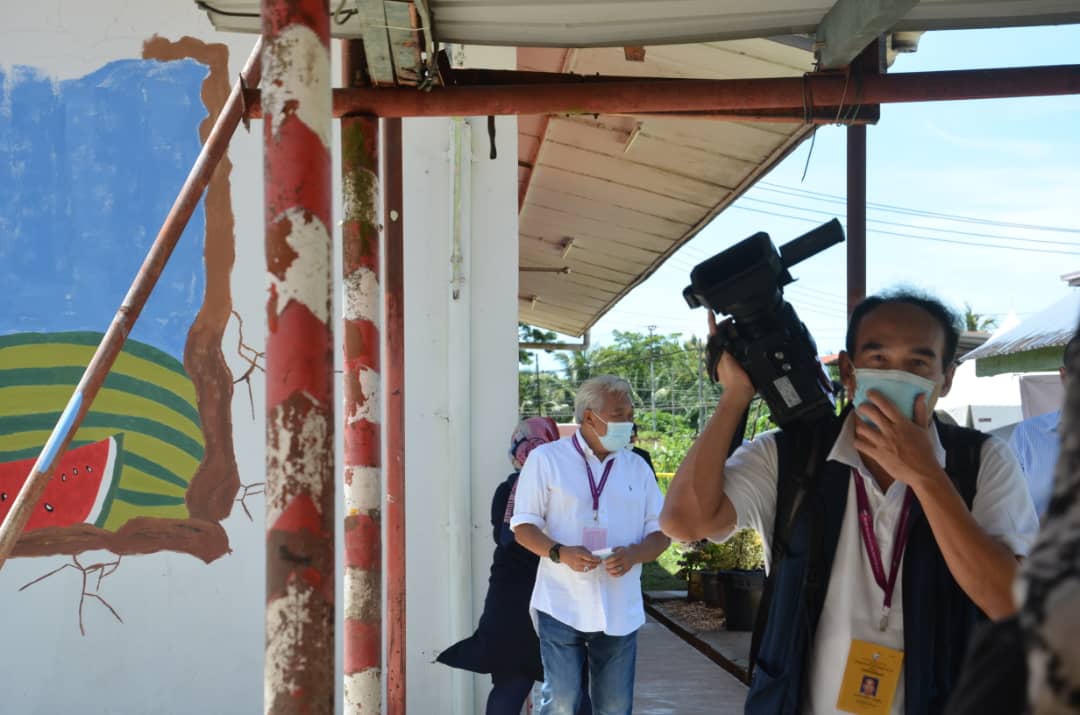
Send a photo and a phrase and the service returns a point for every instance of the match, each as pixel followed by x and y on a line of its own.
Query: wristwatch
pixel 553 553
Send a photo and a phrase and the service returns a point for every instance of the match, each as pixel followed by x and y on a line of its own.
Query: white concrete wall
pixel 439 514
pixel 192 634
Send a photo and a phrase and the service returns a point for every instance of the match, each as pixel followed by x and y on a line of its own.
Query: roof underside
pixel 611 197
pixel 617 23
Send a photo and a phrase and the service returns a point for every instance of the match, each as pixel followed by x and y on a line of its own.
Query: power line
pixel 923 228
pixel 968 244
pixel 833 198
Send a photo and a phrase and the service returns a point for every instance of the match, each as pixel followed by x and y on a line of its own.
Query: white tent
pixel 1035 344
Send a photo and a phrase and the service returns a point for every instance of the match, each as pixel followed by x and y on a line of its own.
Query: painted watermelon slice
pixel 78 491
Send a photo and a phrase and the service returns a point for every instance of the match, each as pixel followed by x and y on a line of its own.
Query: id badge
pixel 870 679
pixel 594 538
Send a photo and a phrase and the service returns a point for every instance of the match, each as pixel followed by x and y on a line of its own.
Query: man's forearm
pixel 650 548
pixel 983 567
pixel 536 541
pixel 696 493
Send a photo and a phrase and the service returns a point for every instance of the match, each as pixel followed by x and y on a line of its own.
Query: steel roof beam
pixel 851 25
pixel 650 96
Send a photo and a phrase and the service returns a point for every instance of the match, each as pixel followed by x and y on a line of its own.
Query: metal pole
pixel 856 215
pixel 756 95
pixel 394 377
pixel 701 388
pixel 539 396
pixel 299 664
pixel 217 143
pixel 362 397
pixel 652 377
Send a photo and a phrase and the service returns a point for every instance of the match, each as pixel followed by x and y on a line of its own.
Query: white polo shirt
pixel 852 610
pixel 553 493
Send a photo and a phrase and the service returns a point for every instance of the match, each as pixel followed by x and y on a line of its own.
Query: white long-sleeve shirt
pixel 553 494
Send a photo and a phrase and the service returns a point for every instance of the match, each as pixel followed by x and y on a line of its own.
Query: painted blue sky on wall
pixel 89 169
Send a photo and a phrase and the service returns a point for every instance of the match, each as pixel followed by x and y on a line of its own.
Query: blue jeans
pixel 565 651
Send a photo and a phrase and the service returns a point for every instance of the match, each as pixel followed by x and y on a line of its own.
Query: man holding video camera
pixel 887 535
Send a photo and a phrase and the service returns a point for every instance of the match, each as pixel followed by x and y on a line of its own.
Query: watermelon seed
pixel 63 477
pixel 48 507
pixel 3 496
pixel 74 471
pixel 89 469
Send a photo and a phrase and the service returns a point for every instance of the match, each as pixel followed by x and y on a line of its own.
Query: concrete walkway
pixel 674 679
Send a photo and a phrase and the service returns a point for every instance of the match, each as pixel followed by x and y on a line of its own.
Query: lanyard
pixel 866 526
pixel 595 490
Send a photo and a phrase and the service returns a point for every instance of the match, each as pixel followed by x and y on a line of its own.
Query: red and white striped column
pixel 363 492
pixel 299 666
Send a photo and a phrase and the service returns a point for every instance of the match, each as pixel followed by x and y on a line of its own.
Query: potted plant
pixel 693 559
pixel 699 565
pixel 742 579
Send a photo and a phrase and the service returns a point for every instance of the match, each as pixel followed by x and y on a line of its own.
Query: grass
pixel 660 575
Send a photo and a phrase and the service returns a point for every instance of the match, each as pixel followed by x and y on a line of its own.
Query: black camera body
pixel 765 335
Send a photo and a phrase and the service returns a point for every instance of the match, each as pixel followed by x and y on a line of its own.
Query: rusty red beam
pixel 703 95
pixel 362 344
pixel 300 485
pixel 394 381
pixel 217 143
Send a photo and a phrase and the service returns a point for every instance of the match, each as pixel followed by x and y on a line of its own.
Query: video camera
pixel 765 334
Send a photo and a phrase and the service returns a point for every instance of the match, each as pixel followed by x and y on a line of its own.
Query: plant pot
pixel 694 587
pixel 742 596
pixel 714 595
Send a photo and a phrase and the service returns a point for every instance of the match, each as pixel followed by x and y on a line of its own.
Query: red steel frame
pixel 394 376
pixel 778 97
pixel 299 665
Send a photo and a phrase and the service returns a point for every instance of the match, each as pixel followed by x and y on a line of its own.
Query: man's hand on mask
pixel 901 446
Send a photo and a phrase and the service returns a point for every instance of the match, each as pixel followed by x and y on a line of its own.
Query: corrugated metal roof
pixel 1050 327
pixel 628 190
pixel 597 23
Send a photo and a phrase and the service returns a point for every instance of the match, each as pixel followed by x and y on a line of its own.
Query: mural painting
pixel 89 168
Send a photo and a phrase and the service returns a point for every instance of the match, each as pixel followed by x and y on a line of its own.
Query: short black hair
pixel 948 318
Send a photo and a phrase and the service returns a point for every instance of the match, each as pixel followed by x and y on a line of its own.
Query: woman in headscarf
pixel 505 643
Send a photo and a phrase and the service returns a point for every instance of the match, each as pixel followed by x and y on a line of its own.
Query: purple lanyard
pixel 596 490
pixel 866 526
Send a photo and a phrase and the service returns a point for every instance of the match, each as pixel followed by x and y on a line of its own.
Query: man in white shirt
pixel 888 463
pixel 589 508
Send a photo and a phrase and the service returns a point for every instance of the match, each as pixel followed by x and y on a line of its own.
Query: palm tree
pixel 977 322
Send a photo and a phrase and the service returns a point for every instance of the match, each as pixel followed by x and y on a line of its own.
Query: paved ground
pixel 674 679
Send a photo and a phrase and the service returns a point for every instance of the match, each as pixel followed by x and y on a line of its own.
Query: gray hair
pixel 593 392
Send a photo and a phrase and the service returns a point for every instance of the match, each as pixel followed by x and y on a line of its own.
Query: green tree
pixel 977 321
pixel 530 334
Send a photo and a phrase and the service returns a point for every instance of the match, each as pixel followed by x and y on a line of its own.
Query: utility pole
pixel 700 389
pixel 539 397
pixel 652 376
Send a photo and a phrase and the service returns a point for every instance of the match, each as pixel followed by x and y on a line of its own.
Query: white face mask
pixel 899 387
pixel 617 436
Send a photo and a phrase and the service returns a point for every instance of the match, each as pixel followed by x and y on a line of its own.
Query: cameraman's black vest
pixel 811 499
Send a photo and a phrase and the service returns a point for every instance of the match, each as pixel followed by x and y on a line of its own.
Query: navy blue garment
pixel 938 616
pixel 504 642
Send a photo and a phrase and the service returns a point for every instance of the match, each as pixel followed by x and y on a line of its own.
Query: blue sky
pixel 1014 161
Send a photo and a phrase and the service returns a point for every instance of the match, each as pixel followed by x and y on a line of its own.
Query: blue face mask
pixel 617 436
pixel 900 387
